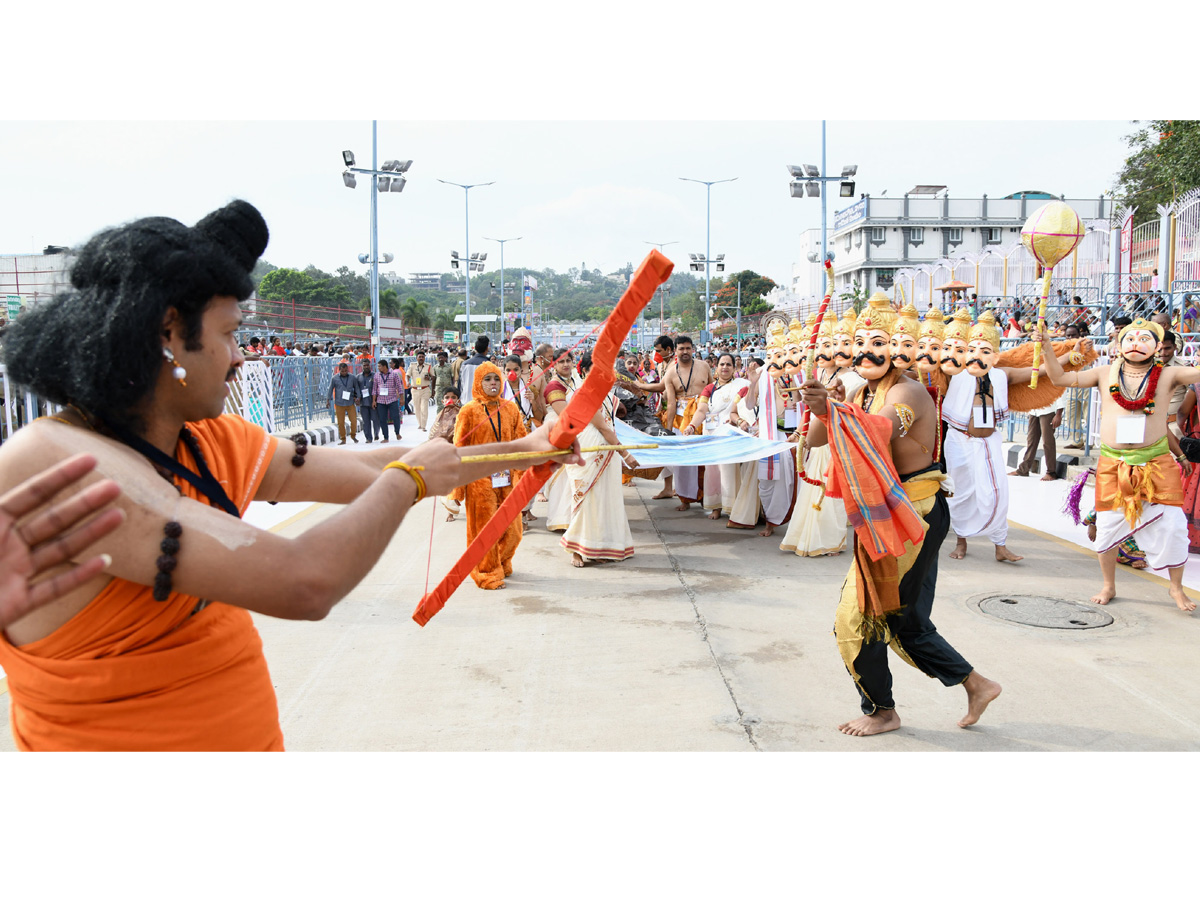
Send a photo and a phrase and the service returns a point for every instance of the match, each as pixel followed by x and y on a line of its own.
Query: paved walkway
pixel 713 639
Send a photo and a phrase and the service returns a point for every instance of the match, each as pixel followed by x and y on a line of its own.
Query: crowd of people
pixel 145 640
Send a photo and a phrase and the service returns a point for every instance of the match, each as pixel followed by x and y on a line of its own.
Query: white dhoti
pixel 712 487
pixel 776 487
pixel 558 492
pixel 815 532
pixel 739 492
pixel 1161 533
pixel 979 506
pixel 687 480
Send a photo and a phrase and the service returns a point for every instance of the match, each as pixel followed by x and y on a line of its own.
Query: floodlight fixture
pixel 386 258
pixel 720 267
pixel 348 157
pixel 693 256
pixel 847 189
pixel 796 171
pixel 349 180
pixel 382 186
pixel 814 189
pixel 797 188
pixel 387 165
pixel 402 164
pixel 813 256
pixel 397 184
pixel 363 257
pixel 720 256
pixel 482 257
pixel 811 171
pixel 849 171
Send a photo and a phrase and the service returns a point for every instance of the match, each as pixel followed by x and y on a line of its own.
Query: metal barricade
pixel 299 390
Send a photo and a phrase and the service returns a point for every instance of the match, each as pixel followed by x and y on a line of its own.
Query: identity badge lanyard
pixel 499 479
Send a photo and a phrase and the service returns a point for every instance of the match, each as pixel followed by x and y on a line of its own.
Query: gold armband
pixel 1075 359
pixel 415 473
pixel 906 417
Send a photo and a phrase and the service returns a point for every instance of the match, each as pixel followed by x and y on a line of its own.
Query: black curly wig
pixel 97 344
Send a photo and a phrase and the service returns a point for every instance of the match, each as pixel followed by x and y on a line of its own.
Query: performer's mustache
pixel 841 355
pixel 951 362
pixel 821 356
pixel 977 362
pixel 901 357
pixel 776 367
pixel 929 359
pixel 871 357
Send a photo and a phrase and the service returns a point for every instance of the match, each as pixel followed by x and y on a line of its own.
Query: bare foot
pixel 450 518
pixel 684 506
pixel 1049 476
pixel 960 549
pixel 883 720
pixel 528 517
pixel 736 525
pixel 980 692
pixel 1181 599
pixel 1138 564
pixel 1106 593
pixel 664 494
pixel 577 561
pixel 1003 554
pixel 715 514
pixel 1015 472
pixel 768 531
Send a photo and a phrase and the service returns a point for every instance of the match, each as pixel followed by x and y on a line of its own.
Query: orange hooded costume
pixel 129 673
pixel 498 420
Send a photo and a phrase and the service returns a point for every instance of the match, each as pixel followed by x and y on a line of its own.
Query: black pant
pixel 367 418
pixel 913 635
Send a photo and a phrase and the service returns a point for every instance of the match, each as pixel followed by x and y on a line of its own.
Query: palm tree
pixel 444 321
pixel 414 313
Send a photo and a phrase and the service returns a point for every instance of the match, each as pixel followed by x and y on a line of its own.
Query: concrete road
pixel 712 639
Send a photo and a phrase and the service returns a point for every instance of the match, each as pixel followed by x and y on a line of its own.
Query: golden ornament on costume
pixel 775 334
pixel 959 326
pixel 1051 232
pixel 985 330
pixel 934 323
pixel 877 315
pixel 826 329
pixel 908 322
pixel 795 332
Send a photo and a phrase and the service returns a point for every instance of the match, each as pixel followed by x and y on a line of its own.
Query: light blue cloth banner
pixel 725 445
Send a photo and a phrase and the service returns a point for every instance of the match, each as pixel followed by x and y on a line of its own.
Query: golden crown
pixel 985 330
pixel 908 321
pixel 959 326
pixel 795 332
pixel 1140 324
pixel 775 334
pixel 934 323
pixel 847 322
pixel 878 315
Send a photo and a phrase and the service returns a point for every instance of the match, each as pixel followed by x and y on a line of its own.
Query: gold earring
pixel 180 372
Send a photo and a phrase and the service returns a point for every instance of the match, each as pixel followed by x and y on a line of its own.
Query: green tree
pixel 443 320
pixel 415 313
pixel 855 295
pixel 1164 162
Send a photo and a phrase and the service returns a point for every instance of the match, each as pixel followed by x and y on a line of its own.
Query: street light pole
pixel 394 181
pixel 707 244
pixel 663 289
pixel 467 208
pixel 501 242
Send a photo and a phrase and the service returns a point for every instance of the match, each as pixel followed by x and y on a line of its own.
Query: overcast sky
pixel 574 192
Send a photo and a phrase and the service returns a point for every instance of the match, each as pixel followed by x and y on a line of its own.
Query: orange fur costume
pixel 498 420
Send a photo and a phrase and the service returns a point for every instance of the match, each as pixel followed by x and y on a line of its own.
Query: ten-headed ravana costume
pixel 976 465
pixel 899 524
pixel 1140 491
pixel 818 528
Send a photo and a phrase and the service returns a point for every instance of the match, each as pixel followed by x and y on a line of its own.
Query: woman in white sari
pixel 599 527
pixel 732 488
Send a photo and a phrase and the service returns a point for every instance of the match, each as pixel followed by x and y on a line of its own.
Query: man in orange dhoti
pixel 489 417
pixel 158 652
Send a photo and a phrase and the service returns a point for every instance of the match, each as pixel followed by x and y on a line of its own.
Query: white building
pixel 33 278
pixel 874 237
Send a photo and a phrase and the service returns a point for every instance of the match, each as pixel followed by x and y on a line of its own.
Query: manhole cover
pixel 1044 612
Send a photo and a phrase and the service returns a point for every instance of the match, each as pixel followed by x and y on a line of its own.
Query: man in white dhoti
pixel 684 381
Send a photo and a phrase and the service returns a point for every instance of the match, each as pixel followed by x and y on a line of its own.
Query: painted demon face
pixel 904 350
pixel 843 348
pixel 793 358
pixel 1139 345
pixel 954 356
pixel 872 353
pixel 981 356
pixel 929 354
pixel 522 347
pixel 825 349
pixel 777 361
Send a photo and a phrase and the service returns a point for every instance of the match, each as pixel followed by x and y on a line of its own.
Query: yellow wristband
pixel 413 471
